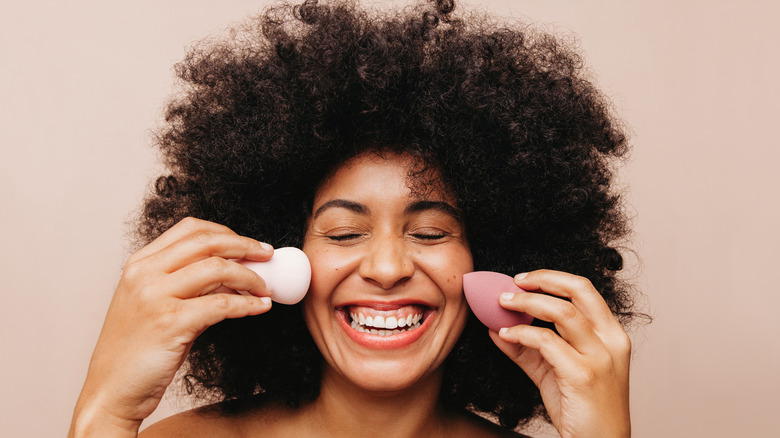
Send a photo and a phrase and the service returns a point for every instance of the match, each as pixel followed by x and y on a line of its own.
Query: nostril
pixel 387 269
pixel 387 282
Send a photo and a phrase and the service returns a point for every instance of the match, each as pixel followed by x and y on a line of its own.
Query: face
pixel 386 301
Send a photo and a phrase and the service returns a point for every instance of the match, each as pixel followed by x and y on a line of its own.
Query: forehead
pixel 374 175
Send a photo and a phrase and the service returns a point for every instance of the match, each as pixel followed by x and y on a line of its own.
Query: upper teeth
pixel 391 322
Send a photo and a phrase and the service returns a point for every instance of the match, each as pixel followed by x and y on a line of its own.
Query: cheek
pixel 329 267
pixel 322 270
pixel 448 267
pixel 316 301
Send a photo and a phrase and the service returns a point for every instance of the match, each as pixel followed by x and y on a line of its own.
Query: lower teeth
pixel 381 332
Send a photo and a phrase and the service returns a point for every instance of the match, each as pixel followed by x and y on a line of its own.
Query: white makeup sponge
pixel 287 274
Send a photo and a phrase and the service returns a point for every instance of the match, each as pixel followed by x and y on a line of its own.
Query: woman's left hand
pixel 581 372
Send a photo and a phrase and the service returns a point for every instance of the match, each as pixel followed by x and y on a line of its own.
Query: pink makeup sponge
pixel 287 274
pixel 482 289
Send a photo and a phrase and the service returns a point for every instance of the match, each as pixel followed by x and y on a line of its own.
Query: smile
pixel 385 325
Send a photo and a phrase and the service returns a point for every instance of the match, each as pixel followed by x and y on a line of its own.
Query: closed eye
pixel 429 236
pixel 343 237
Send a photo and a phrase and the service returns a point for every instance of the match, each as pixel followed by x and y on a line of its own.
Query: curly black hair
pixel 506 114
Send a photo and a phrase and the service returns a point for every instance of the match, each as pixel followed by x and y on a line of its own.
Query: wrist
pixel 95 421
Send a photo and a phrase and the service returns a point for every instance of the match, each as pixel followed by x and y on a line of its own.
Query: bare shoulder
pixel 246 417
pixel 211 421
pixel 470 425
pixel 202 422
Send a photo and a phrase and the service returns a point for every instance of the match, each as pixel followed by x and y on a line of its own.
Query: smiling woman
pixel 399 152
pixel 384 255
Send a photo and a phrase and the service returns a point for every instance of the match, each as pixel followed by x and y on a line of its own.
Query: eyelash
pixel 342 237
pixel 421 236
pixel 430 236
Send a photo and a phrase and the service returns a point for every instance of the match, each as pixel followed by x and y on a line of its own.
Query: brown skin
pixel 393 250
pixel 582 373
pixel 169 293
pixel 181 283
pixel 275 421
pixel 390 253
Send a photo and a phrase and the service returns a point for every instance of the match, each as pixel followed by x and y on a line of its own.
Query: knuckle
pixel 146 294
pixel 146 301
pixel 582 283
pixel 132 259
pixel 220 301
pixel 189 224
pixel 165 320
pixel 193 224
pixel 589 376
pixel 132 272
pixel 216 265
pixel 203 237
pixel 249 243
pixel 547 336
pixel 567 310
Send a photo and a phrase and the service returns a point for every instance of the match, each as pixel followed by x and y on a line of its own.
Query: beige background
pixel 82 82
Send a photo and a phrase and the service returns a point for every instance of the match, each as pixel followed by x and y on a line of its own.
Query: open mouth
pixel 385 320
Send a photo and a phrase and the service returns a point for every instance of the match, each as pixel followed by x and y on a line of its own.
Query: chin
pixel 387 376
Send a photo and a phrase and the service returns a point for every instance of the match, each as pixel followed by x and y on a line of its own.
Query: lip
pixel 377 342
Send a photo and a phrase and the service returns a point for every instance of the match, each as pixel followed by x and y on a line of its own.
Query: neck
pixel 344 410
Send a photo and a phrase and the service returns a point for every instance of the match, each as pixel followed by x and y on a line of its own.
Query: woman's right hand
pixel 170 292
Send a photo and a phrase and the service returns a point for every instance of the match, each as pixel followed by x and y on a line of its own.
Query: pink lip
pixel 385 305
pixel 399 340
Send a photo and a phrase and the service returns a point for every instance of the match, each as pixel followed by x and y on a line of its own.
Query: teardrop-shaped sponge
pixel 482 289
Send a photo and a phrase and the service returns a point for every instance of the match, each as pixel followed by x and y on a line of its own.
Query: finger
pixel 561 356
pixel 528 359
pixel 579 290
pixel 569 321
pixel 212 275
pixel 206 243
pixel 201 313
pixel 180 230
pixel 226 290
pixel 199 230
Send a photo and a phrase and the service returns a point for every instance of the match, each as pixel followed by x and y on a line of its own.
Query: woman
pixel 399 153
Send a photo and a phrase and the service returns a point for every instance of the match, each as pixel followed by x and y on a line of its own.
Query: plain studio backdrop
pixel 83 82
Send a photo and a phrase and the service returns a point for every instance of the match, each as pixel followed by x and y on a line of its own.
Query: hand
pixel 169 293
pixel 582 372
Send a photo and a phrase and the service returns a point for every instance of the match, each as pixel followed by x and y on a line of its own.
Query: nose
pixel 386 263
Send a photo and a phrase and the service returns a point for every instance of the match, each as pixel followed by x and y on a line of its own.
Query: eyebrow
pixel 414 207
pixel 343 203
pixel 419 206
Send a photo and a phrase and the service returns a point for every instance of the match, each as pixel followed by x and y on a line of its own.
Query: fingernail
pixel 266 247
pixel 519 277
pixel 507 296
pixel 266 300
pixel 503 330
